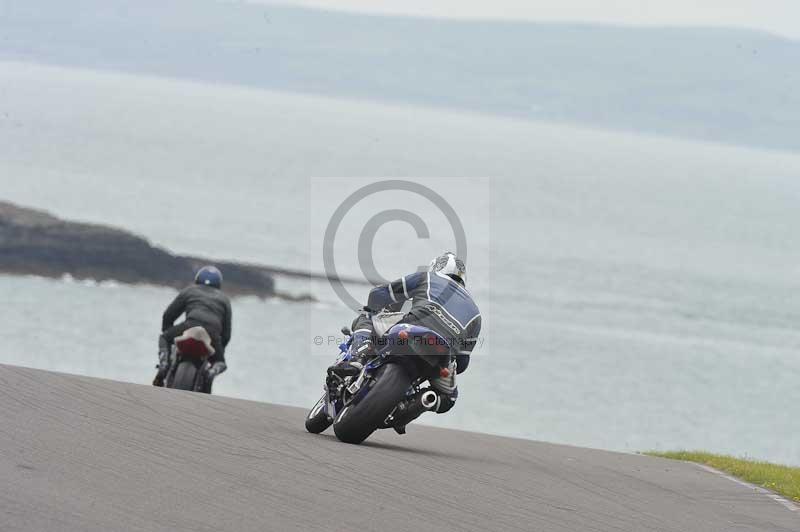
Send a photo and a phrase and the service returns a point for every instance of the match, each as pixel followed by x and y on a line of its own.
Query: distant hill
pixel 731 86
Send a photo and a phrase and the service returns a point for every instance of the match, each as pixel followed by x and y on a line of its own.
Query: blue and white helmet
pixel 448 264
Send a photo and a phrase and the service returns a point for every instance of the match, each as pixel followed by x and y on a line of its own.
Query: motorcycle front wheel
pixel 317 419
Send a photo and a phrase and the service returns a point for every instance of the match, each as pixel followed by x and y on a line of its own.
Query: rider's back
pixel 206 304
pixel 438 302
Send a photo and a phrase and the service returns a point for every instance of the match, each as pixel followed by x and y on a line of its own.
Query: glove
pixel 216 369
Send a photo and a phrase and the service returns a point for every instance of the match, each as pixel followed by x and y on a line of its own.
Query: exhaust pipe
pixel 411 410
pixel 429 400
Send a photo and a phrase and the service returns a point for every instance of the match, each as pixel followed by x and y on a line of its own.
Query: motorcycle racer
pixel 440 302
pixel 204 304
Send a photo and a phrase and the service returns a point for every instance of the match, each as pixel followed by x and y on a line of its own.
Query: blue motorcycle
pixel 388 392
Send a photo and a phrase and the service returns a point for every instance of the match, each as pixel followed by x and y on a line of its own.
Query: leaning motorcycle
pixel 388 391
pixel 188 360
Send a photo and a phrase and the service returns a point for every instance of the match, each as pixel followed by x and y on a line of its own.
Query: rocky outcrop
pixel 34 242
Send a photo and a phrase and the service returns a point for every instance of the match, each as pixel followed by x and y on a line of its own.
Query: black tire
pixel 355 423
pixel 185 376
pixel 317 419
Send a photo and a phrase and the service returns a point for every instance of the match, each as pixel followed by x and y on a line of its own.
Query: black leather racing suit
pixel 203 305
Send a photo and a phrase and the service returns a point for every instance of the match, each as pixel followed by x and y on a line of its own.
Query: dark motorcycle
pixel 188 361
pixel 388 391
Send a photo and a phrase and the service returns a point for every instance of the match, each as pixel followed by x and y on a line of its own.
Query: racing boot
pixel 163 362
pixel 212 372
pixel 362 349
pixel 216 369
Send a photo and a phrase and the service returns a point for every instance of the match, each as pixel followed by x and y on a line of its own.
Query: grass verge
pixel 781 479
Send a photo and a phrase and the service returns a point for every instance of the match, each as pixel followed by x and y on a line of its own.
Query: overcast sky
pixel 777 16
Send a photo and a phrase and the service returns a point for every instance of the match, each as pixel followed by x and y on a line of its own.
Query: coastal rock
pixel 34 242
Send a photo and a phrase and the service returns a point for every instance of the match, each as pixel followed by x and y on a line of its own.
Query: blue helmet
pixel 209 275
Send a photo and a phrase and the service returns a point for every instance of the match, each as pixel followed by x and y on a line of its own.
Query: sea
pixel 638 292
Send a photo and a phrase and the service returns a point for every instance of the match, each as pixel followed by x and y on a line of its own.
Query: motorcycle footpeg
pixel 344 371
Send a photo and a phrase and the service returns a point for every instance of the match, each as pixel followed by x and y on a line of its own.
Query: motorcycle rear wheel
pixel 186 376
pixel 355 423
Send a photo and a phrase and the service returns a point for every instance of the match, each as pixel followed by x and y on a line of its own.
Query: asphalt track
pixel 82 454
